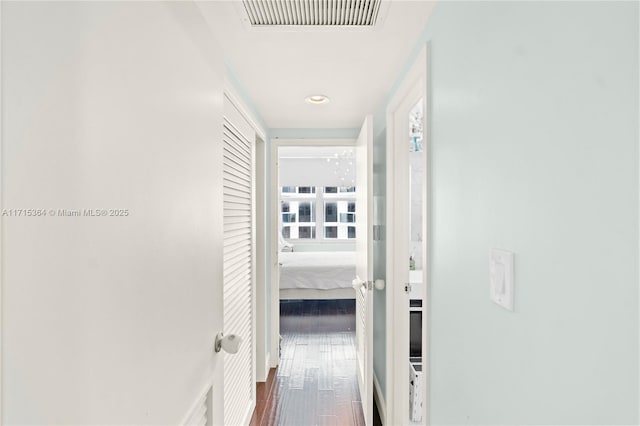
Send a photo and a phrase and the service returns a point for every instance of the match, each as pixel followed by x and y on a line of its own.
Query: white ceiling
pixel 279 68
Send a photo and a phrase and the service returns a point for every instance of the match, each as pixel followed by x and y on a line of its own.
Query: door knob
pixel 230 343
pixel 357 283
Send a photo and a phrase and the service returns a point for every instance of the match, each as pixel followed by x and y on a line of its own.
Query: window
pixel 306 190
pixel 339 189
pixel 337 216
pixel 306 212
pixel 307 232
pixel 331 232
pixel 347 217
pixel 312 213
pixel 287 215
pixel 298 219
pixel 331 212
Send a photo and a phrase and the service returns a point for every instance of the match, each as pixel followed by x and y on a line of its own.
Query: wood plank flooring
pixel 316 381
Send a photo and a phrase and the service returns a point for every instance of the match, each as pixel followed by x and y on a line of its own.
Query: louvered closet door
pixel 239 379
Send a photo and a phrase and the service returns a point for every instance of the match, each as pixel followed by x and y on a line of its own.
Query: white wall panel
pixel 534 149
pixel 110 320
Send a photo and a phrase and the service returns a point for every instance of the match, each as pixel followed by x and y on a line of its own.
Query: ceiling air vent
pixel 309 13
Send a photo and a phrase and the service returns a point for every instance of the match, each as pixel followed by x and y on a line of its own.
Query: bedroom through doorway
pixel 316 231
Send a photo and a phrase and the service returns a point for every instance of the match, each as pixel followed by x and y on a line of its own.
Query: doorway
pixel 314 221
pixel 361 215
pixel 312 194
pixel 407 263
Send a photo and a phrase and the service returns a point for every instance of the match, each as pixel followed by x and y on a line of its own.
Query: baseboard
pixel 273 353
pixel 380 402
pixel 267 366
pixel 275 359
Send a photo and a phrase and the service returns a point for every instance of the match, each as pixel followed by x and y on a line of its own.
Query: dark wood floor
pixel 316 381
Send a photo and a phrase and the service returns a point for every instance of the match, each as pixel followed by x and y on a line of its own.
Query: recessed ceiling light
pixel 317 99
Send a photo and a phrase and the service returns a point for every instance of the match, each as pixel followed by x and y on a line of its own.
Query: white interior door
pixel 363 283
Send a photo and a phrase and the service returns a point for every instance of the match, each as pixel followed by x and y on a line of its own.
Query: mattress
pixel 317 270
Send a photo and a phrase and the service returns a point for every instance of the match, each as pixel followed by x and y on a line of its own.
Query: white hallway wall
pixel 544 78
pixel 534 149
pixel 110 105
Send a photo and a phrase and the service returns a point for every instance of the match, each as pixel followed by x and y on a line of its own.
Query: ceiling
pixel 279 67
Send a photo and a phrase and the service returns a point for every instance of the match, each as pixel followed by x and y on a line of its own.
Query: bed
pixel 317 275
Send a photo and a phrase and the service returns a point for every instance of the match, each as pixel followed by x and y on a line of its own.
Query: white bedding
pixel 317 270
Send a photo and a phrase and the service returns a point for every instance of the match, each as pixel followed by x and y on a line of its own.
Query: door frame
pixel 414 86
pixel 274 208
pixel 1 221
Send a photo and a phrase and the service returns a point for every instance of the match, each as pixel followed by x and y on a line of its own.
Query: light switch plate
pixel 501 278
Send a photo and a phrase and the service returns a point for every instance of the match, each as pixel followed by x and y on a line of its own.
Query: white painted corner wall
pixel 111 320
pixel 534 139
pixel 534 149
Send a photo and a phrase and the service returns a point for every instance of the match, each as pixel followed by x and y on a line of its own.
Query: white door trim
pixel 273 226
pixel 273 258
pixel 236 100
pixel 1 221
pixel 414 87
pixel 262 351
